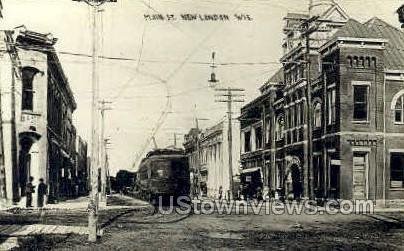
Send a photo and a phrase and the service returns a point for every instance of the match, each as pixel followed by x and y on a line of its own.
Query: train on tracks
pixel 163 173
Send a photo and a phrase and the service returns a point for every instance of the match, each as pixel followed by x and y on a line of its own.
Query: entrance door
pixel 360 169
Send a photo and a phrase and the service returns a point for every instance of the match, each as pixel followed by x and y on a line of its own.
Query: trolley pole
pixel 95 162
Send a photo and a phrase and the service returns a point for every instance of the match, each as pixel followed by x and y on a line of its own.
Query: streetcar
pixel 163 173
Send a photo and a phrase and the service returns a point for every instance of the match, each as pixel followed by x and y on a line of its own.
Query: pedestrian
pixel 42 191
pixel 259 194
pixel 220 193
pixel 29 190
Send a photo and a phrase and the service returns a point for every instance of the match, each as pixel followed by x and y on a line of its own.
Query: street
pixel 130 229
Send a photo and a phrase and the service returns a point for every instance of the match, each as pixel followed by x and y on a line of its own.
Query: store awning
pixel 250 170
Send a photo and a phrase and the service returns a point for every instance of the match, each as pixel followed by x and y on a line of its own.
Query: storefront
pixel 250 181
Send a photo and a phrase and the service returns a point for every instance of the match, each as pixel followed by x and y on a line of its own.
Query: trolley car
pixel 163 173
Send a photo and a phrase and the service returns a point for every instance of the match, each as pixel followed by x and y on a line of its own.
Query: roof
pixel 378 29
pixel 277 77
pixel 165 151
pixel 394 54
pixel 355 29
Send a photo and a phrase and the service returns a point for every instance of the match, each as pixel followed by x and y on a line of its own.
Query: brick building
pixel 357 113
pixel 38 137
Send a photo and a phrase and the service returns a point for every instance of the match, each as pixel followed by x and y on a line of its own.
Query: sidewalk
pixel 12 234
pixel 114 201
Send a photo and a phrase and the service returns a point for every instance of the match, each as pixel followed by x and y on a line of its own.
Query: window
pixel 268 130
pixel 258 137
pixel 398 110
pixel 317 115
pixel 293 116
pixel 279 175
pixel 331 106
pixel 28 75
pixel 361 62
pixel 355 61
pixel 397 170
pixel 302 112
pixel 374 62
pixel 349 59
pixel 279 128
pixel 368 62
pixel 247 143
pixel 297 115
pixel 360 97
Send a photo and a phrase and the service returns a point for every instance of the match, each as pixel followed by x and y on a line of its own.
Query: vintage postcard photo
pixel 201 125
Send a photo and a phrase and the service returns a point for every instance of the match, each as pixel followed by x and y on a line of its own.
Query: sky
pixel 168 58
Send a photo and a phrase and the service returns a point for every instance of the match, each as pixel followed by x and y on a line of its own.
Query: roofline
pixel 351 39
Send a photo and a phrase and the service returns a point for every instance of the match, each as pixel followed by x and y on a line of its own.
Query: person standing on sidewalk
pixel 29 190
pixel 42 192
pixel 220 193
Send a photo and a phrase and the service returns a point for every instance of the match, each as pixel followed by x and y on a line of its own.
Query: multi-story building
pixel 356 77
pixel 37 106
pixel 81 174
pixel 209 159
pixel 191 149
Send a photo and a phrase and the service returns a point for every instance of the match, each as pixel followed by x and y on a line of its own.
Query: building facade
pixel 209 160
pixel 37 106
pixel 81 172
pixel 356 131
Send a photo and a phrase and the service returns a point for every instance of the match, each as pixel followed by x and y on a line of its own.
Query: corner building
pixel 357 86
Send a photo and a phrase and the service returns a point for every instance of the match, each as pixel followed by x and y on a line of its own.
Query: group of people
pixel 30 189
pixel 246 192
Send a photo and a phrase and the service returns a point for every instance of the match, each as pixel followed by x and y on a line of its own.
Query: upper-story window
pixel 317 115
pixel 398 110
pixel 279 126
pixel 267 130
pixel 360 102
pixel 258 137
pixel 361 62
pixel 247 141
pixel 350 62
pixel 28 74
pixel 331 98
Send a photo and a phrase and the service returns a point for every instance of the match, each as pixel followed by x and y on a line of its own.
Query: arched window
pixel 355 61
pixel 368 62
pixel 399 110
pixel 374 62
pixel 317 115
pixel 279 127
pixel 350 63
pixel 361 62
pixel 28 74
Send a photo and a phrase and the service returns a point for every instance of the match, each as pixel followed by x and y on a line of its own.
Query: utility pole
pixel 103 195
pixel 93 203
pixel 229 94
pixel 308 29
